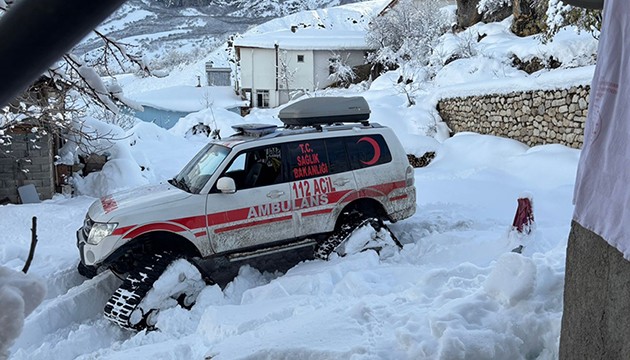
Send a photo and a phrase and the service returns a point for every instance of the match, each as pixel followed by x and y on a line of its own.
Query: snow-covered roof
pixel 307 39
pixel 190 98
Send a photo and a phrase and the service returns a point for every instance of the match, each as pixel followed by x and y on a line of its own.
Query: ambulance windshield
pixel 198 171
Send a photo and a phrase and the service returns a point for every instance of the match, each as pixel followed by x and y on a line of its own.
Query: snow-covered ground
pixel 455 290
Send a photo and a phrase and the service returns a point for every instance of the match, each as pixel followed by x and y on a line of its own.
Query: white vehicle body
pixel 315 181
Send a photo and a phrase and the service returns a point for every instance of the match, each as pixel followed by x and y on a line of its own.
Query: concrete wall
pixel 595 320
pixel 301 73
pixel 258 72
pixel 218 76
pixel 532 117
pixel 27 162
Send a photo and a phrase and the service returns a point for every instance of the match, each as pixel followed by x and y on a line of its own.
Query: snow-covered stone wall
pixel 26 160
pixel 532 117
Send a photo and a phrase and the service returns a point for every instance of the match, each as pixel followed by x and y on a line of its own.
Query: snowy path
pixel 59 325
pixel 371 306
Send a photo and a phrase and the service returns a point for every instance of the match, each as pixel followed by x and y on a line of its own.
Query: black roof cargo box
pixel 325 111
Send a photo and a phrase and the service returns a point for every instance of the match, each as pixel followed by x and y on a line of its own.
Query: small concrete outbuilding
pixel 27 160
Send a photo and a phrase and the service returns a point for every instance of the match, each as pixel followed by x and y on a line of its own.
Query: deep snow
pixel 455 290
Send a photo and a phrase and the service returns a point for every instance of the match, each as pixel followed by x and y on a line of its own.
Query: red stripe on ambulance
pixel 400 197
pixel 317 212
pixel 153 227
pixel 252 223
pixel 193 223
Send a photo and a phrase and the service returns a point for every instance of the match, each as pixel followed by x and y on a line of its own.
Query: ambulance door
pixel 321 180
pixel 259 212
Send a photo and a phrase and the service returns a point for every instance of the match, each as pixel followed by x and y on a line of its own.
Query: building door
pixel 262 98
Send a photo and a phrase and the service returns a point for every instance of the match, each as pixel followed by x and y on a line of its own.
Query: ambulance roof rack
pixel 327 110
pixel 254 130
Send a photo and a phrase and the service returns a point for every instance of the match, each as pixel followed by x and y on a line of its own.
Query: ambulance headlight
pixel 100 231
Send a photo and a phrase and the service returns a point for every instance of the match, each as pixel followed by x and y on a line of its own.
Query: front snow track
pixel 159 281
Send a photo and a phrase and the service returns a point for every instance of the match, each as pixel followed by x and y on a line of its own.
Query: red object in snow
pixel 524 217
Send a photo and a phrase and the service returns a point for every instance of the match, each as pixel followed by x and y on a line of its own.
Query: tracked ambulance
pixel 266 189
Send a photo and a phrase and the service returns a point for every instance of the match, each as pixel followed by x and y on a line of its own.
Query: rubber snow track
pixel 129 295
pixel 382 238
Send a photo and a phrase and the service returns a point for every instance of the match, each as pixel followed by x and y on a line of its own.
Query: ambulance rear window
pixel 366 151
pixel 314 158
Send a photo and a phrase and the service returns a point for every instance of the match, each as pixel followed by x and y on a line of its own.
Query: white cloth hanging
pixel 602 189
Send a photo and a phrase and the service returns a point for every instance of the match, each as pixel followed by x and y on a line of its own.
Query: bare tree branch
pixel 122 50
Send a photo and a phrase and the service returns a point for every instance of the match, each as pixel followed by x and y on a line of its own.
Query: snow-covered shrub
pixel 175 58
pixel 560 15
pixel 466 46
pixel 489 6
pixel 340 72
pixel 405 38
pixel 407 32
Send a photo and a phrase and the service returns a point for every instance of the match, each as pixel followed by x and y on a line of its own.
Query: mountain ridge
pixel 156 27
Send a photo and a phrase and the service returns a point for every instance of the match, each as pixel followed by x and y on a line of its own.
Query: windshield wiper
pixel 180 184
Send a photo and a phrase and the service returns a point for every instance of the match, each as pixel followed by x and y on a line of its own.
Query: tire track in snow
pixel 62 281
pixel 431 220
pixel 57 317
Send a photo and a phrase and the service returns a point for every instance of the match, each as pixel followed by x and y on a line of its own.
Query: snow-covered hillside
pixel 455 290
pixel 171 35
pixel 351 17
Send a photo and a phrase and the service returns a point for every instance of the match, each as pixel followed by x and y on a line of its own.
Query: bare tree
pixel 405 37
pixel 286 74
pixel 63 94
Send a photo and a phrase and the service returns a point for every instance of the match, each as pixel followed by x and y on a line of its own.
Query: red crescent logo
pixel 377 150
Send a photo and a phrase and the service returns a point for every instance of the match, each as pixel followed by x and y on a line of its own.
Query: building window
pixel 262 98
pixel 300 58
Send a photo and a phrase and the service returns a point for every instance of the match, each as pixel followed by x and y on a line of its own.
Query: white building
pixel 274 66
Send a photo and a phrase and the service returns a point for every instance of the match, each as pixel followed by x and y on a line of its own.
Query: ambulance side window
pixel 307 159
pixel 237 165
pixel 256 168
pixel 337 155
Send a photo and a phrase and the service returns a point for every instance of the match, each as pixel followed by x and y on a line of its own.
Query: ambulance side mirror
pixel 226 185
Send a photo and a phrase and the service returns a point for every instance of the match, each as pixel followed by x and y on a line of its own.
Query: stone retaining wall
pixel 532 117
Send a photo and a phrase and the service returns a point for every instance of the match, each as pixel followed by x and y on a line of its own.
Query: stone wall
pixel 532 117
pixel 26 161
